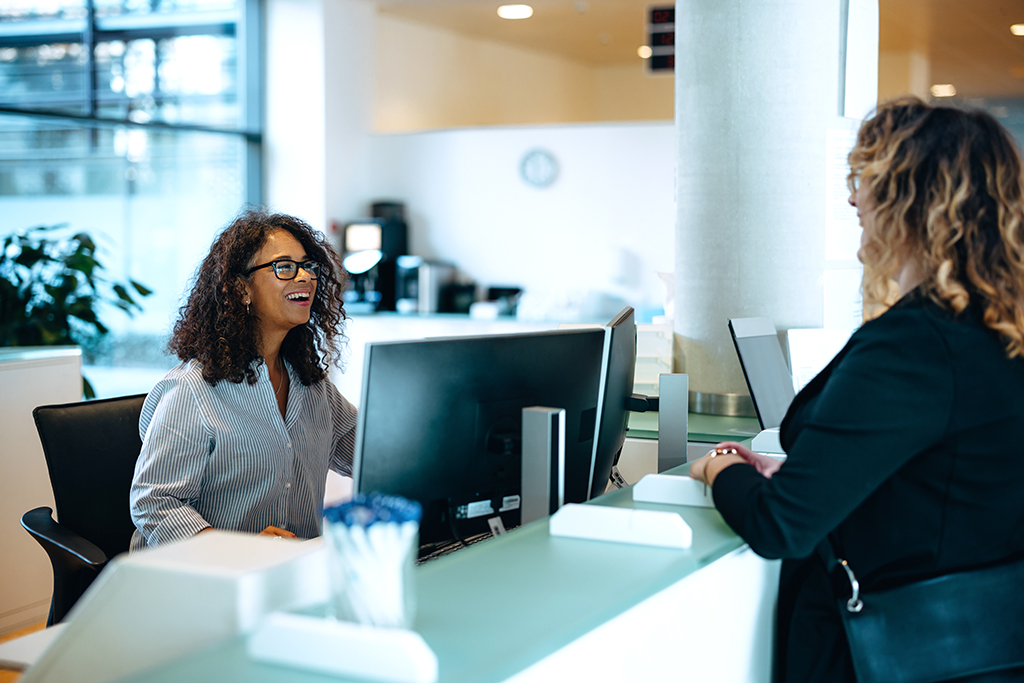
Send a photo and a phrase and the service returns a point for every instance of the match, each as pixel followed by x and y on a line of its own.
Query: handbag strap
pixel 826 552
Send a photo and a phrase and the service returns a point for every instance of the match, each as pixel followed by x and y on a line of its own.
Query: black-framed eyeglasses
pixel 286 269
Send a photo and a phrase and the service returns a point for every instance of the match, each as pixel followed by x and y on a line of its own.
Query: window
pixel 137 122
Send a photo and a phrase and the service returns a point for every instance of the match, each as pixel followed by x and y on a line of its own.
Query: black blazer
pixel 907 451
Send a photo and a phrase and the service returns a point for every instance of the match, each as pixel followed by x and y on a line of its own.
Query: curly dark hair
pixel 215 329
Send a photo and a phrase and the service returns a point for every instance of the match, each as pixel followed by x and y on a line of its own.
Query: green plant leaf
pixel 82 262
pixel 123 294
pixel 30 256
pixel 85 242
pixel 68 284
pixel 52 289
pixel 82 309
pixel 56 292
pixel 143 290
pixel 87 389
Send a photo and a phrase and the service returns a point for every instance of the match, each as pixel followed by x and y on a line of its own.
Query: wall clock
pixel 538 168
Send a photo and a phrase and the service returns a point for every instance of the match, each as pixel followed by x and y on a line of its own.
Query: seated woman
pixel 241 434
pixel 905 452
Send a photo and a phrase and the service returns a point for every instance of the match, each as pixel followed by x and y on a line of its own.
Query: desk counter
pixel 530 606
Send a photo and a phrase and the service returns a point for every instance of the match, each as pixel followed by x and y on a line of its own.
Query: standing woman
pixel 240 435
pixel 905 454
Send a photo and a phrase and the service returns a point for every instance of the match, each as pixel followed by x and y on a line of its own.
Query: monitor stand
pixel 543 463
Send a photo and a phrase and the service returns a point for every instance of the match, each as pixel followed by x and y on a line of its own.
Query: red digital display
pixel 662 38
pixel 663 62
pixel 665 38
pixel 663 15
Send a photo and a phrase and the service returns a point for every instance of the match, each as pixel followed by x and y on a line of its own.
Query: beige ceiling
pixel 967 42
pixel 598 32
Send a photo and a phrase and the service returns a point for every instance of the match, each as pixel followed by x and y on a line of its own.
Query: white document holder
pixel 343 649
pixel 767 442
pixel 23 652
pixel 671 489
pixel 621 525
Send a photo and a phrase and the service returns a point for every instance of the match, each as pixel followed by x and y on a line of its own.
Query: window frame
pixel 244 23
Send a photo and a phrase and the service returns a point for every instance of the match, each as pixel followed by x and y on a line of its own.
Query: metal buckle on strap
pixel 854 604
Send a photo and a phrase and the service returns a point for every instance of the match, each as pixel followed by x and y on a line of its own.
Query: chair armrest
pixel 40 523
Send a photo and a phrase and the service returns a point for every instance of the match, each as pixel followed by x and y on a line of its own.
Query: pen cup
pixel 372 544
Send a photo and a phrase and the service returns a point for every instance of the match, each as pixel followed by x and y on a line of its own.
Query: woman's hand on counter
pixel 277 531
pixel 765 465
pixel 730 453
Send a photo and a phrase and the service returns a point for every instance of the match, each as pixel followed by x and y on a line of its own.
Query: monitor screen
pixel 616 389
pixel 440 422
pixel 764 367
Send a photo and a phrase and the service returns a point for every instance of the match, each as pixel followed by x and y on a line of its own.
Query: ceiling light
pixel 943 90
pixel 644 51
pixel 515 11
pixel 1017 29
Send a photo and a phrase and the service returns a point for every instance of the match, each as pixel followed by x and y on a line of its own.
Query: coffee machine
pixel 370 250
pixel 422 285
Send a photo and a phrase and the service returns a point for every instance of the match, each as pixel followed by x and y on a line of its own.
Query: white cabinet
pixel 29 377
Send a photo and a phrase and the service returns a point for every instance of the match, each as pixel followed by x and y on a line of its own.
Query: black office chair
pixel 90 448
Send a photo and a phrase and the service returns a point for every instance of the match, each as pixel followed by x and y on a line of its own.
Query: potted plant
pixel 52 290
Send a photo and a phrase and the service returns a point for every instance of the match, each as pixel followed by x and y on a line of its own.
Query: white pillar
pixel 319 104
pixel 759 85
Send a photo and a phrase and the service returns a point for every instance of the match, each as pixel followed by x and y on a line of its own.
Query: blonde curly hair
pixel 946 188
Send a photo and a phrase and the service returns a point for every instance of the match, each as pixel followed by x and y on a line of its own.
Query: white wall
pixel 582 247
pixel 605 226
pixel 293 151
pixel 348 98
pixel 318 106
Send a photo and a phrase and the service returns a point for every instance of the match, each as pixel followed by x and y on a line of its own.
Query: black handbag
pixel 960 624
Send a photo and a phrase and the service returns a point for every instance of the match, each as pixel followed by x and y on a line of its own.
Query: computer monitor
pixel 440 422
pixel 616 389
pixel 764 367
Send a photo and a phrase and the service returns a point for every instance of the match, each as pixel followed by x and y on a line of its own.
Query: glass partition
pixel 138 123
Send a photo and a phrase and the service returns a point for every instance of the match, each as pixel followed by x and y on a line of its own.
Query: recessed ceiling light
pixel 943 90
pixel 1017 29
pixel 644 51
pixel 515 11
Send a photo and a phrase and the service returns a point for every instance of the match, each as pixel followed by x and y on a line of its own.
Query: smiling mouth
pixel 298 296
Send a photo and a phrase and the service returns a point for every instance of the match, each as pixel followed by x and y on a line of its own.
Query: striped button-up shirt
pixel 222 456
